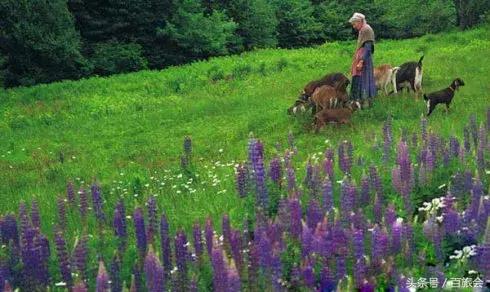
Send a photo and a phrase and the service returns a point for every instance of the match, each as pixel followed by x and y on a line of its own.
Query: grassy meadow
pixel 126 131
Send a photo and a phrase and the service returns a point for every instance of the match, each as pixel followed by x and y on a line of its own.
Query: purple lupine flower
pixel 408 237
pixel 187 146
pixel 347 200
pixel 219 270
pixel 226 227
pixel 379 250
pixel 480 159
pixel 70 193
pixel 63 258
pixel 422 179
pixel 327 195
pixel 308 275
pixel 155 281
pixel 327 280
pixel 306 242
pixel 262 197
pixel 29 256
pixel 295 225
pixel 152 219
pixel 140 231
pixel 115 274
pixel 80 287
pixel 80 257
pixel 83 203
pixel 119 221
pixel 358 220
pixel 387 140
pixel 165 245
pixel 97 202
pixel 233 279
pixel 60 203
pixel 309 173
pixel 483 253
pixel 241 179
pixel 313 214
pixel 365 198
pixel 341 266
pixel 236 248
pixel 390 215
pixel 197 238
pixel 41 244
pixel 181 257
pixel 264 251
pixel 468 181
pixel 454 146
pixel 358 243
pixel 328 165
pixel 396 236
pixel 377 209
pixel 9 230
pixel 423 127
pixel 102 281
pixel 484 213
pixel 396 179
pixel 360 271
pixel 467 143
pixel 291 178
pixel 275 171
pixel 35 218
pixel 476 194
pixel 430 161
pixel 136 279
pixel 208 233
pixel 253 265
pixel 345 156
pixel 376 181
pixel 23 216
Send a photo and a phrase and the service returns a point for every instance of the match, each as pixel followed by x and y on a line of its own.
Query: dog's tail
pixel 393 78
pixel 425 97
pixel 420 61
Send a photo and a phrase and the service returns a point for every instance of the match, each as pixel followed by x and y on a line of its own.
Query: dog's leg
pixel 447 107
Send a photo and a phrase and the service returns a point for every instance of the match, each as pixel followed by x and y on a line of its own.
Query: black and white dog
pixel 442 96
pixel 409 75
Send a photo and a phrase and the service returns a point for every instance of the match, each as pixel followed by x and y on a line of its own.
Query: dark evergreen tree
pixel 39 41
pixel 297 26
pixel 196 34
pixel 257 23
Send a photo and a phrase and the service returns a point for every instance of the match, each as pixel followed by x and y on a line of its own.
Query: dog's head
pixel 457 83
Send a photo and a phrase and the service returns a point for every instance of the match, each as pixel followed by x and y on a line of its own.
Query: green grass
pixel 125 129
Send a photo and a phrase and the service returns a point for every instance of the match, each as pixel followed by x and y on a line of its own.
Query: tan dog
pixel 325 97
pixel 384 75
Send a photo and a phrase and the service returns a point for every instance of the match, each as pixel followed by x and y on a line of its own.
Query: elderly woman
pixel 363 86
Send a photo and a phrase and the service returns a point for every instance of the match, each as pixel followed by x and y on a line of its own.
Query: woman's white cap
pixel 357 17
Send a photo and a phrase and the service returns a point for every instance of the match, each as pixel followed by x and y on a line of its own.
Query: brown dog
pixel 337 115
pixel 326 97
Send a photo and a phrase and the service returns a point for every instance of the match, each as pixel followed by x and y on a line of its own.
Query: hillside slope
pixel 122 129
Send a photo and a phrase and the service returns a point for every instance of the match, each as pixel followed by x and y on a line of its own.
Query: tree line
pixel 43 41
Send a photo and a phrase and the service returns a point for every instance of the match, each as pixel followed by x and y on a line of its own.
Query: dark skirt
pixel 363 86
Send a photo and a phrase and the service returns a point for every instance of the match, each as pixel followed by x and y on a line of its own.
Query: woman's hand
pixel 360 65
